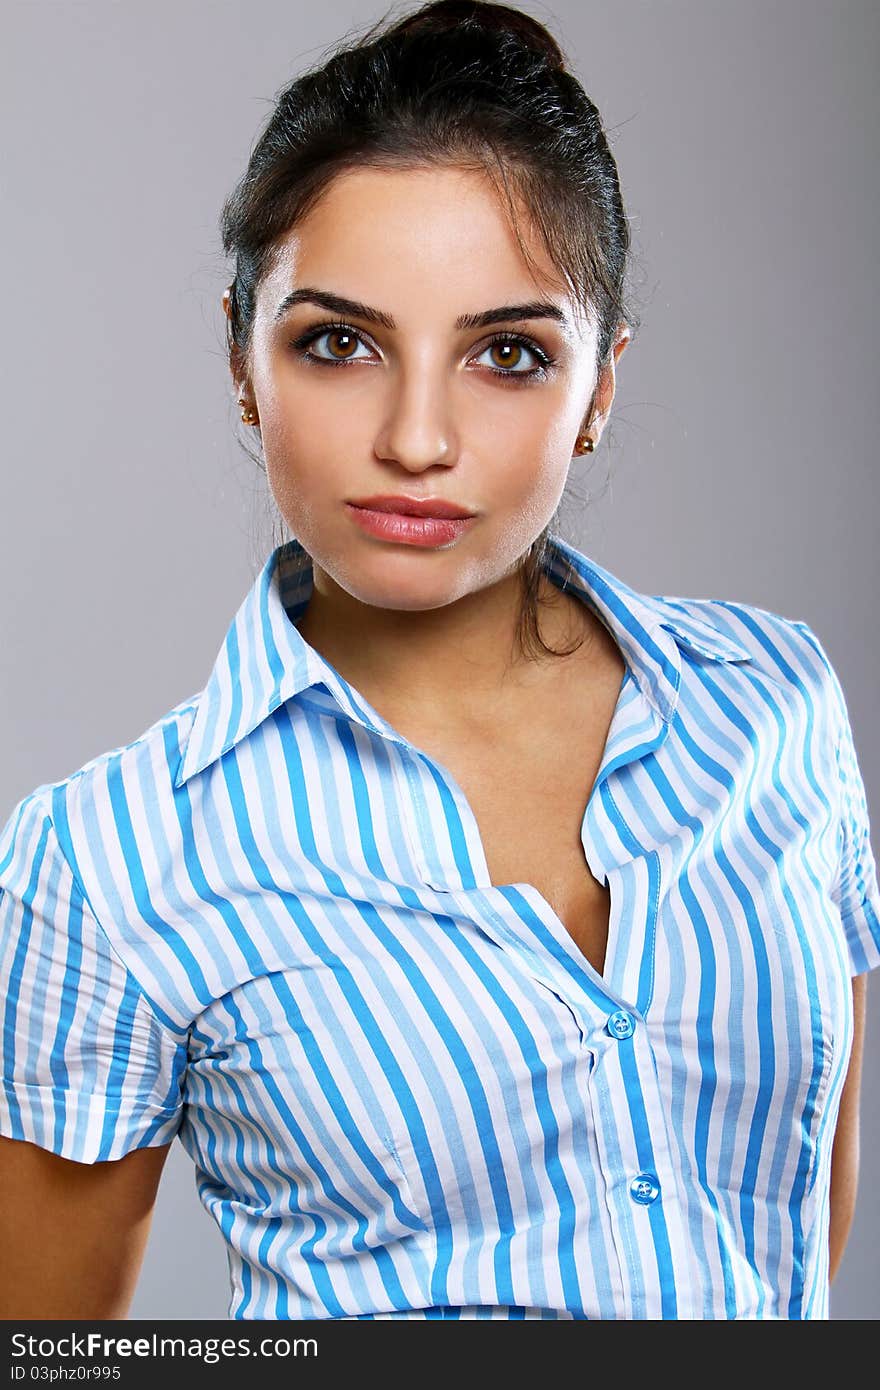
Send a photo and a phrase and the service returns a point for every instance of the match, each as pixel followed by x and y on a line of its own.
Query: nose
pixel 417 431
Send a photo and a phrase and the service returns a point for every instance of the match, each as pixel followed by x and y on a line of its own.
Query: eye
pixel 342 343
pixel 509 354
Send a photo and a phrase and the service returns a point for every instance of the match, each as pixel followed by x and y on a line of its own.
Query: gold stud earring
pixel 586 444
pixel 249 415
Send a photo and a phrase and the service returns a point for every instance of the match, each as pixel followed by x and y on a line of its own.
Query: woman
pixel 492 936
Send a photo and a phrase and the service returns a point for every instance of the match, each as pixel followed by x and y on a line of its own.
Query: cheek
pixel 531 439
pixel 304 485
pixel 531 480
pixel 303 472
pixel 300 415
pixel 305 447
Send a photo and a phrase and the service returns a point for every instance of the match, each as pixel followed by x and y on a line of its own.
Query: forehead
pixel 423 231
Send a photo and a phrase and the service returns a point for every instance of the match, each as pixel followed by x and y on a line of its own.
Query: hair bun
pixel 442 16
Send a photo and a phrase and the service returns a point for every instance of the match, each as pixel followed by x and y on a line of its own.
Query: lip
pixel 401 528
pixel 413 506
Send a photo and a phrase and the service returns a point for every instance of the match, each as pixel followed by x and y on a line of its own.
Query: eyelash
pixel 534 373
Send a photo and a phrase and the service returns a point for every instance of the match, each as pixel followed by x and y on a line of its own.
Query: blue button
pixel 644 1189
pixel 620 1025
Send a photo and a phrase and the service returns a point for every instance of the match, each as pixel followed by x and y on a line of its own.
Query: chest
pixel 527 787
pixel 442 1040
pixel 529 816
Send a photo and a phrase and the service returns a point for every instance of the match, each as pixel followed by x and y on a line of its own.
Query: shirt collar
pixel 264 660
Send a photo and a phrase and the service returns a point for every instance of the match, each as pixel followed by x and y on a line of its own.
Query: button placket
pixel 644 1186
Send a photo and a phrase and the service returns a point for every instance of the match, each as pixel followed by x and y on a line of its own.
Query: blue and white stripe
pixel 267 926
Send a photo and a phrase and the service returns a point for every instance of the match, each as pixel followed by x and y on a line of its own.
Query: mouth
pixel 435 523
pixel 437 507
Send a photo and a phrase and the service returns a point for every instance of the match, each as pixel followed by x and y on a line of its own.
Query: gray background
pixel 741 457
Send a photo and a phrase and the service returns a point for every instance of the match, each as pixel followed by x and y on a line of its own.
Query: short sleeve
pixel 88 1069
pixel 855 889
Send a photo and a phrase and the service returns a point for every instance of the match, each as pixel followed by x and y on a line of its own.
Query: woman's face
pixel 408 390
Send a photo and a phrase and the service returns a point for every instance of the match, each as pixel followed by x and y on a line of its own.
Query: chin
pixel 412 582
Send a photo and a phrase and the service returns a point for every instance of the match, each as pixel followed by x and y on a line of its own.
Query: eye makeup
pixel 544 361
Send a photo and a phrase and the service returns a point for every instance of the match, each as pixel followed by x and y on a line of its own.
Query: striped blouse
pixel 267 927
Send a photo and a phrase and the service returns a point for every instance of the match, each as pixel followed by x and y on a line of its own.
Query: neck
pixel 456 662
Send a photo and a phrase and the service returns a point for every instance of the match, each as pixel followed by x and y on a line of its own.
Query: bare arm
pixel 73 1235
pixel 845 1154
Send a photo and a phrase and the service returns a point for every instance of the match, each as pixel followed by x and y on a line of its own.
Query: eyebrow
pixel 338 304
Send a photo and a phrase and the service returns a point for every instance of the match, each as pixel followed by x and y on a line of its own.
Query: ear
pixel 237 368
pixel 606 383
pixel 236 359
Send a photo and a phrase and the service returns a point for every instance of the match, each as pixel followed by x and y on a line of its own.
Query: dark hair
pixel 455 82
